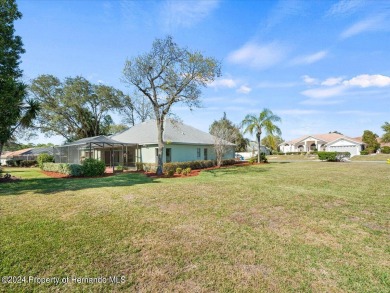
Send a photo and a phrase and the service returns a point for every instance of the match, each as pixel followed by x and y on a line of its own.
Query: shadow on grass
pixel 53 185
pixel 240 170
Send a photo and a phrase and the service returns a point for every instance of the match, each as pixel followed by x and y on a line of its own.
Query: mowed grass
pixel 279 227
pixel 375 157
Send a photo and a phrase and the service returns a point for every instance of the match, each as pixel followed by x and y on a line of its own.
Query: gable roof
pixel 326 137
pixel 344 138
pixel 174 132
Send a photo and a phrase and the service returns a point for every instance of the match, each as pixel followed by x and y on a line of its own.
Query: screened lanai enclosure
pixel 111 152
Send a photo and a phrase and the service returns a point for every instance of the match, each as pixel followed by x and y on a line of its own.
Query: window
pixel 168 157
pixel 205 154
pixel 198 152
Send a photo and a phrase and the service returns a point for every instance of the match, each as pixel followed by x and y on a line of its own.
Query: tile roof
pixel 326 137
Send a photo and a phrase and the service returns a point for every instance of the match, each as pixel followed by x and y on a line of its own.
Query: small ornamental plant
pixel 179 170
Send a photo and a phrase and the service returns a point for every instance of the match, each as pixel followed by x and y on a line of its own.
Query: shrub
pixel 178 170
pixel 9 163
pixel 44 158
pixel 28 163
pixel 170 173
pixel 333 156
pixel 139 166
pixel 119 168
pixel 385 150
pixel 370 150
pixel 93 167
pixel 364 152
pixel 254 159
pixel 186 171
pixel 63 168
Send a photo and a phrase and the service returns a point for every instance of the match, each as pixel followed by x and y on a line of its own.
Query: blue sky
pixel 320 65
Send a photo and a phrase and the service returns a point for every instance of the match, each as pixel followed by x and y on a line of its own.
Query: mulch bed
pixel 197 171
pixel 64 176
pixel 151 174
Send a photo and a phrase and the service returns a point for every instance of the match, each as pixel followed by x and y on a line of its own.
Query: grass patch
pixel 303 226
pixel 375 157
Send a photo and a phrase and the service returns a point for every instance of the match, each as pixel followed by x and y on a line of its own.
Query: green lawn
pixel 292 158
pixel 280 227
pixel 376 157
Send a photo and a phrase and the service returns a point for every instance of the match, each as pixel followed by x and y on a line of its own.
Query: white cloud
pixel 370 24
pixel 310 80
pixel 309 59
pixel 366 80
pixel 186 13
pixel 321 93
pixel 345 7
pixel 244 89
pixel 258 56
pixel 223 83
pixel 331 81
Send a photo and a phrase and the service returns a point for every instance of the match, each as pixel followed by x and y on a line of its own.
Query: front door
pixel 107 158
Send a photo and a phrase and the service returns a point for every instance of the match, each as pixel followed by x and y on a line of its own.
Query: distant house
pixel 252 148
pixel 332 142
pixel 25 154
pixel 139 144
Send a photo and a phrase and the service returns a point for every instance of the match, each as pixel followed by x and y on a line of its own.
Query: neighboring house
pixel 251 150
pixel 331 142
pixel 25 154
pixel 139 144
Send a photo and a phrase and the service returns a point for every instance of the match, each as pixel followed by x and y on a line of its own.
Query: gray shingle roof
pixel 175 132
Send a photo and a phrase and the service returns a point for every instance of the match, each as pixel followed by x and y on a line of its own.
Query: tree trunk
pixel 258 147
pixel 1 148
pixel 160 131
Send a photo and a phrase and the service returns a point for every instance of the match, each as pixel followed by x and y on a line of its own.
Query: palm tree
pixel 265 121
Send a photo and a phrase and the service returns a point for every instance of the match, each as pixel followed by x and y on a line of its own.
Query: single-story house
pixel 25 154
pixel 251 150
pixel 139 144
pixel 330 142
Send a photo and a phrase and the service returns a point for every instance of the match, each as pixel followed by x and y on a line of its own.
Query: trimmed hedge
pixel 28 163
pixel 195 164
pixel 363 153
pixel 333 156
pixel 63 168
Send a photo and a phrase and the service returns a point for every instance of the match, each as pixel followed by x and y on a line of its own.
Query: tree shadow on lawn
pixel 241 170
pixel 53 185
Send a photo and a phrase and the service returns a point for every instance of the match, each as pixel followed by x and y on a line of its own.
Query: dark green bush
pixel 385 150
pixel 370 150
pixel 44 158
pixel 333 156
pixel 364 152
pixel 93 167
pixel 28 163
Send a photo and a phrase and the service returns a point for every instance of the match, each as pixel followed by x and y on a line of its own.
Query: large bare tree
pixel 167 75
